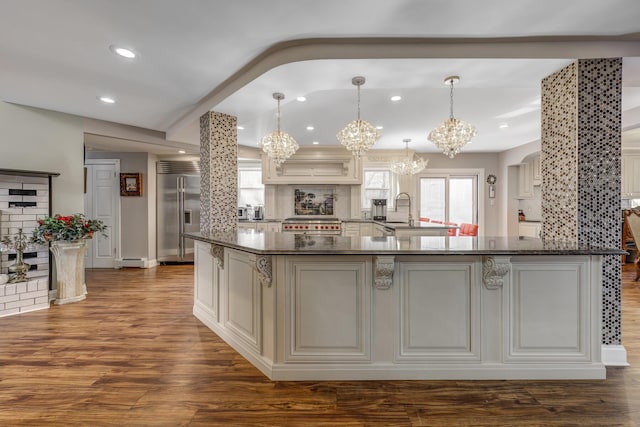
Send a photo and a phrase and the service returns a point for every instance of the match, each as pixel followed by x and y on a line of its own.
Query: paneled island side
pixel 304 307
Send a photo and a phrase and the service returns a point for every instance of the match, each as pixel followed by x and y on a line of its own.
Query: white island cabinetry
pixel 403 315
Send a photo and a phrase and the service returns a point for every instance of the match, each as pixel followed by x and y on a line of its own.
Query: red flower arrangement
pixel 68 228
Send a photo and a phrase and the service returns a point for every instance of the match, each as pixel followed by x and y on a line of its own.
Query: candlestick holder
pixel 19 268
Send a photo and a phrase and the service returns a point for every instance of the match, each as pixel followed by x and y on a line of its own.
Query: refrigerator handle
pixel 180 183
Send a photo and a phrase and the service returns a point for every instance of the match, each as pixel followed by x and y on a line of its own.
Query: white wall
pixel 152 197
pixel 42 140
pixel 137 214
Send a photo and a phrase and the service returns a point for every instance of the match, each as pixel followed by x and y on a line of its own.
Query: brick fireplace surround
pixel 25 197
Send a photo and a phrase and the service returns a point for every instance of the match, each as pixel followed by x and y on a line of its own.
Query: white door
pixel 102 202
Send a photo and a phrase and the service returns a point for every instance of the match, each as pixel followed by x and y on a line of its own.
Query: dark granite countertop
pixel 299 244
pixel 403 225
pixel 417 225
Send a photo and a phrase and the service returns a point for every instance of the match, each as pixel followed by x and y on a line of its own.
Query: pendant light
pixel 278 145
pixel 452 134
pixel 410 165
pixel 359 135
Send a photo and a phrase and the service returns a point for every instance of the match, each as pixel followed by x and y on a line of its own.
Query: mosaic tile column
pixel 219 173
pixel 581 155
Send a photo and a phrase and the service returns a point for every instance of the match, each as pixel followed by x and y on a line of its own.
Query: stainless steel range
pixel 315 225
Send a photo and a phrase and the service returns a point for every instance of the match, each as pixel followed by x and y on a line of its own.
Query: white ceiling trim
pixel 394 48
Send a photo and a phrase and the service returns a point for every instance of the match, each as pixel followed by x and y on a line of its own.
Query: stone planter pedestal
pixel 69 259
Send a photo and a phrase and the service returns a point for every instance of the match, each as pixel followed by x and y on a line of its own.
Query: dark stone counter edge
pixel 467 252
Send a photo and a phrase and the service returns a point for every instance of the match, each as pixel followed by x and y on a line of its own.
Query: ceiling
pixel 230 56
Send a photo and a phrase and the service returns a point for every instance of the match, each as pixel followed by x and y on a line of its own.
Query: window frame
pixel 252 166
pixel 479 175
pixel 393 185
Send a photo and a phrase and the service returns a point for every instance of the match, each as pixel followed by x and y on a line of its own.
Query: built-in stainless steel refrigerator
pixel 178 210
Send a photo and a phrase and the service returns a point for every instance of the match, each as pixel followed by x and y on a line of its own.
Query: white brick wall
pixel 13 218
pixel 24 296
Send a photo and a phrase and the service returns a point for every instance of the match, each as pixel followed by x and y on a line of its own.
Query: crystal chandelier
pixel 408 165
pixel 452 134
pixel 359 135
pixel 278 145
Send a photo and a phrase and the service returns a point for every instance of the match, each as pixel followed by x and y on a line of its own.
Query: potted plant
pixel 68 238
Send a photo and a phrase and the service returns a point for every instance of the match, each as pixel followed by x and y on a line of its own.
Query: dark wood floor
pixel 132 354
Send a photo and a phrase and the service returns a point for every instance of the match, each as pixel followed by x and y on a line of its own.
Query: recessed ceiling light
pixel 379 127
pixel 301 99
pixel 315 143
pixel 181 151
pixel 240 127
pixel 107 99
pixel 504 125
pixel 396 98
pixel 122 51
pixel 310 127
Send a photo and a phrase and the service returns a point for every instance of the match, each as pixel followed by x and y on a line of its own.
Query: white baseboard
pixel 614 355
pixel 135 262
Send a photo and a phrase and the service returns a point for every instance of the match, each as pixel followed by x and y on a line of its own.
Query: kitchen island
pixel 304 307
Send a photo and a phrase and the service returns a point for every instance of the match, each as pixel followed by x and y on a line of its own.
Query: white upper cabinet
pixel 314 165
pixel 536 172
pixel 631 176
pixel 525 181
pixel 529 175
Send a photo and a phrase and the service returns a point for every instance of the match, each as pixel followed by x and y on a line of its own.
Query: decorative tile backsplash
pixel 313 201
pixel 581 155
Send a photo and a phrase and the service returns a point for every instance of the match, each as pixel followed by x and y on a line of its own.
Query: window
pixel 449 197
pixel 250 187
pixel 377 184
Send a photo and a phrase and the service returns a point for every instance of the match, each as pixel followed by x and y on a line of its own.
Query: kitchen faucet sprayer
pixel 410 218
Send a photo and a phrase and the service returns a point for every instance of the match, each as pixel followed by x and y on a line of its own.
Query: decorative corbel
pixel 383 272
pixel 262 264
pixel 494 270
pixel 217 252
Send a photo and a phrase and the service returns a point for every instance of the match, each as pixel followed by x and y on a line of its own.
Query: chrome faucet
pixel 410 219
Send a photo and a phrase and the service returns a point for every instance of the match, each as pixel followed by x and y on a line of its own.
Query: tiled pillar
pixel 581 152
pixel 219 173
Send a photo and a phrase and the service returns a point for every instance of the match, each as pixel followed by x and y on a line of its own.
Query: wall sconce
pixel 491 180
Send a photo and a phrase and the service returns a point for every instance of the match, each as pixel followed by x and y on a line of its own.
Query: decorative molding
pixel 262 264
pixel 217 252
pixel 383 272
pixel 493 271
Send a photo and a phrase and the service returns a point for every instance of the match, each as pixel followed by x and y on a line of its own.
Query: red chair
pixel 468 229
pixel 452 231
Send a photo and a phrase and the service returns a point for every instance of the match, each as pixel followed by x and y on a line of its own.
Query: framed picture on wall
pixel 131 184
